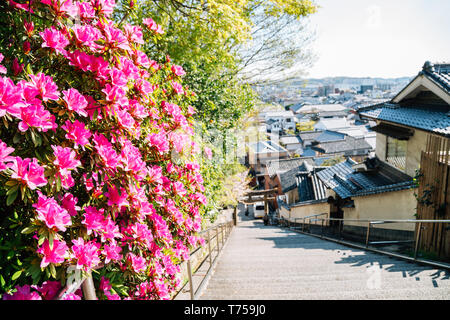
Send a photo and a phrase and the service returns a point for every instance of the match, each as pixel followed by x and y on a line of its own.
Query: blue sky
pixel 379 38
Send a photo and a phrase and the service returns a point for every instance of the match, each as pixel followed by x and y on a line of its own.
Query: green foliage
pixel 333 161
pixel 306 126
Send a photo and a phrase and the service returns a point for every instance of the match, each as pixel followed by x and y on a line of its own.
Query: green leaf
pixel 13 189
pixel 11 198
pixel 52 270
pixel 2 281
pixel 27 230
pixel 16 275
pixel 51 237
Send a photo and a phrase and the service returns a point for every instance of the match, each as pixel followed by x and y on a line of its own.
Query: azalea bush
pixel 99 172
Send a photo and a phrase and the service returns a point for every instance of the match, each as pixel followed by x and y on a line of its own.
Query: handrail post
pixel 191 285
pixel 303 225
pixel 368 234
pixel 89 288
pixel 209 249
pixel 416 249
pixel 322 229
pixel 217 239
pixel 221 231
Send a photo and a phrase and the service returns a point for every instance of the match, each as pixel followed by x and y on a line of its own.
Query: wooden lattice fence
pixel 433 196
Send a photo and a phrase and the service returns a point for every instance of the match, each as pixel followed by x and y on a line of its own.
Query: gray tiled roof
pixel 280 166
pixel 346 146
pixel 434 119
pixel 304 178
pixel 310 187
pixel 438 72
pixel 346 182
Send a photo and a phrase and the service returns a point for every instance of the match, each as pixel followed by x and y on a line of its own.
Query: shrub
pixel 98 168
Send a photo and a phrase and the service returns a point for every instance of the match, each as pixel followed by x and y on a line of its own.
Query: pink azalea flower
pixel 29 27
pixel 103 7
pixel 106 287
pixel 130 70
pixel 54 39
pixel 57 254
pixel 49 289
pixel 190 111
pixel 77 132
pixel 159 141
pixel 112 252
pixel 10 97
pixel 75 101
pixel 29 172
pixel 45 86
pixel 86 253
pixel 138 263
pixel 86 35
pixel 178 188
pixel 125 120
pixel 116 199
pixel 208 152
pixel 35 115
pixel 106 152
pixel 137 110
pixel 2 68
pixel 23 293
pixel 17 67
pixel 134 34
pixel 5 151
pixel 178 88
pixel 178 70
pixel 23 6
pixel 65 159
pixel 93 219
pixel 114 37
pixel 72 296
pixel 152 25
pixel 141 59
pixel 50 212
pixel 69 202
pixel 86 10
pixel 132 160
pixel 118 77
pixel 155 174
pixel 62 8
pixel 115 95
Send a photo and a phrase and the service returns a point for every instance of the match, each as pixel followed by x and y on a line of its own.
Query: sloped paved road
pixel 266 262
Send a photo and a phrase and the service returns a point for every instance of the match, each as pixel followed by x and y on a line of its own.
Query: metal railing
pixel 216 237
pixel 367 243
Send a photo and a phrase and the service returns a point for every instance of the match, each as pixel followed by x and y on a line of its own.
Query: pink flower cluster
pixel 103 187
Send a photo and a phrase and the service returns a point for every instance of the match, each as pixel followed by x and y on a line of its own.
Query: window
pixel 288 120
pixel 396 153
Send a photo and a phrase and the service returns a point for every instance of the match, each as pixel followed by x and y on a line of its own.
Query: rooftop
pixel 309 108
pixel 347 145
pixel 434 119
pixel 343 179
pixel 266 147
pixel 439 73
pixel 332 124
pixel 304 178
pixel 280 166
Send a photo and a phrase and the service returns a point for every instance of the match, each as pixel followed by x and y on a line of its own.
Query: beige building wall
pixel 301 211
pixel 380 150
pixel 388 206
pixel 416 144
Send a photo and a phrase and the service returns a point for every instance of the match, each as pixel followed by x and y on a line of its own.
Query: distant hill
pixel 347 81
